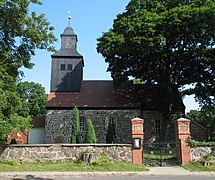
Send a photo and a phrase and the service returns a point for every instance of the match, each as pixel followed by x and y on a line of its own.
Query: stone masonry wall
pixel 63 152
pixel 59 122
pixel 198 153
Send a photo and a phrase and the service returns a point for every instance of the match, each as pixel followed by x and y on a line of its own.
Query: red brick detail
pixel 20 137
pixel 137 132
pixel 182 135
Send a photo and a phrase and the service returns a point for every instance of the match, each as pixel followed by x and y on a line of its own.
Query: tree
pixel 10 120
pixel 90 136
pixel 111 133
pixel 168 43
pixel 21 33
pixel 2 2
pixel 205 117
pixel 75 126
pixel 33 97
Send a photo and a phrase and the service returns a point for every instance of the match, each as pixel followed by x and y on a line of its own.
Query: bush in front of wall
pixel 90 136
pixel 75 126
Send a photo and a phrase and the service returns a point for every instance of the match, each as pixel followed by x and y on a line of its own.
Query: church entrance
pixel 160 154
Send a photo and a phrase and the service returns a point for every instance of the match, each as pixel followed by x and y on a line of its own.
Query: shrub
pixel 75 126
pixel 90 136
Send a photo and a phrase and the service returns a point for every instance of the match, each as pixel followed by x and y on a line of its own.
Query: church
pixel 98 100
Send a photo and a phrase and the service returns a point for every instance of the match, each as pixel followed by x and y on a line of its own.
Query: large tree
pixel 169 43
pixel 33 97
pixel 21 33
pixel 10 120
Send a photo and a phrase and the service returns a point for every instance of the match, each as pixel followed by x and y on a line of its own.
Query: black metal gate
pixel 160 154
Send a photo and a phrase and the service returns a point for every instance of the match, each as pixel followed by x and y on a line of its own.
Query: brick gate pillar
pixel 137 140
pixel 182 135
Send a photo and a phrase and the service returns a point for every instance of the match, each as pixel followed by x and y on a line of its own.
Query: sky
pixel 90 18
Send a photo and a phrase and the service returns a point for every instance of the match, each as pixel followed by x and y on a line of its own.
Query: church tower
pixel 67 64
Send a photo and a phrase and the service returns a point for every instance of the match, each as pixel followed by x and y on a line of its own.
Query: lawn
pixel 199 167
pixel 103 164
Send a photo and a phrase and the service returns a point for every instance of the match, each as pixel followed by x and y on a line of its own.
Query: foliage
pixel 21 32
pixel 205 117
pixel 111 133
pixel 90 136
pixel 167 43
pixel 2 2
pixel 102 165
pixel 198 166
pixel 10 120
pixel 33 99
pixel 162 42
pixel 75 126
pixel 194 143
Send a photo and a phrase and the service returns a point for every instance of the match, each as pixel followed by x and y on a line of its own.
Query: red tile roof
pixel 103 95
pixel 96 94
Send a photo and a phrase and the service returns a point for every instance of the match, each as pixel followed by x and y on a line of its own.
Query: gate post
pixel 137 140
pixel 182 135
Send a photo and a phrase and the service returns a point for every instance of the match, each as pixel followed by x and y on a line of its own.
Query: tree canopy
pixel 33 98
pixel 21 33
pixel 164 42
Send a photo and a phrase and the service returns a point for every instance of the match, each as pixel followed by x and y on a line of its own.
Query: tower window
pixel 69 67
pixel 62 67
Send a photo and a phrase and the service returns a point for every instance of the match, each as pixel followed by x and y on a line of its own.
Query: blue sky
pixel 89 20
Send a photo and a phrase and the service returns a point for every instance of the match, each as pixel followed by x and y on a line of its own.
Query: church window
pixel 157 126
pixel 69 67
pixel 62 67
pixel 111 120
pixel 82 124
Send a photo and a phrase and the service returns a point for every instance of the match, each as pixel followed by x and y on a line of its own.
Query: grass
pixel 197 166
pixel 103 164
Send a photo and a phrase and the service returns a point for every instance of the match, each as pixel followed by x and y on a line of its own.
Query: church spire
pixel 67 64
pixel 69 38
pixel 69 20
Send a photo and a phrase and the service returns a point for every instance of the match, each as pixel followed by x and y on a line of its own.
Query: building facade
pixel 100 101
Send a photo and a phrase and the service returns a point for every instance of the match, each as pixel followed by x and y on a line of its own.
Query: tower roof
pixel 68 44
pixel 68 31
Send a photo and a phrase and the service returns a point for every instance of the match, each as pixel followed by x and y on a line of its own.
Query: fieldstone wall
pixel 199 153
pixel 59 122
pixel 63 152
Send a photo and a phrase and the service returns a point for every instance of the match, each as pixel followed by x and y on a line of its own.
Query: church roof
pixel 67 53
pixel 99 94
pixel 95 94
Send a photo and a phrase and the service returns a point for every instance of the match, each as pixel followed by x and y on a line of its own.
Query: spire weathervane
pixel 69 18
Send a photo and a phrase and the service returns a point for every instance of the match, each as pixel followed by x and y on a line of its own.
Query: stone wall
pixel 199 153
pixel 59 122
pixel 63 152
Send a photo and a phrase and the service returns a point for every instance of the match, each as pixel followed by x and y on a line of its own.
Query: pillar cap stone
pixel 183 119
pixel 136 118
